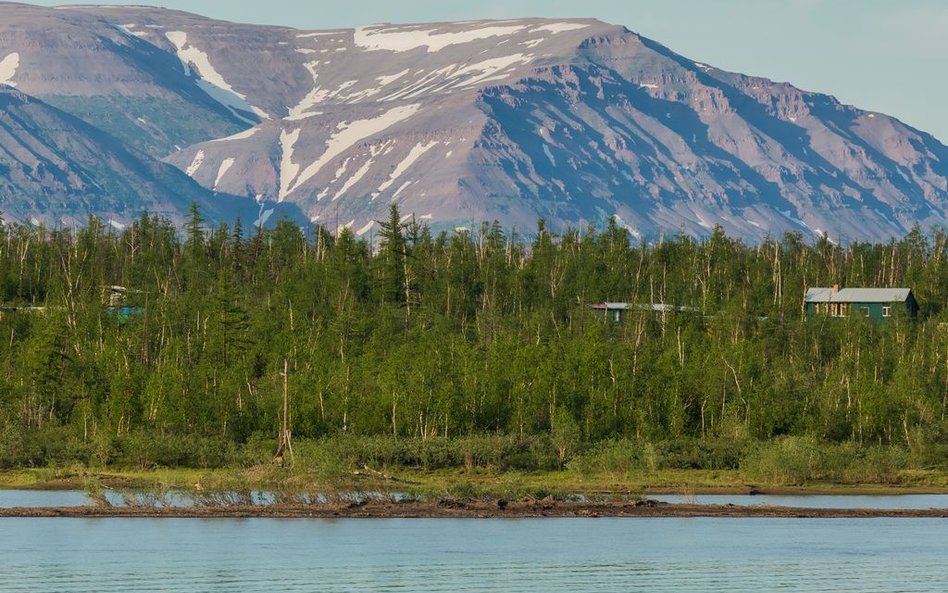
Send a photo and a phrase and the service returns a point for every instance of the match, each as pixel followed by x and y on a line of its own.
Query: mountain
pixel 56 168
pixel 573 121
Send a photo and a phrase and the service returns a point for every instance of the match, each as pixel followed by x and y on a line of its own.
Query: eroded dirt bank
pixel 466 508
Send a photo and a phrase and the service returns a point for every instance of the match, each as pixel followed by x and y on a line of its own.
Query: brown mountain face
pixel 574 121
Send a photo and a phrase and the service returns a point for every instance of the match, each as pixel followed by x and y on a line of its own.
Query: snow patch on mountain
pixel 486 69
pixel 342 169
pixel 8 66
pixel 460 76
pixel 195 164
pixel 248 133
pixel 288 169
pixel 389 79
pixel 209 79
pixel 313 97
pixel 226 164
pixel 559 27
pixel 129 32
pixel 356 177
pixel 622 224
pixel 265 214
pixel 347 135
pixel 317 34
pixel 400 39
pixel 403 187
pixel 413 155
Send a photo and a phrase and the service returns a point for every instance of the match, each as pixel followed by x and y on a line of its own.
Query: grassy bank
pixel 503 466
pixel 457 483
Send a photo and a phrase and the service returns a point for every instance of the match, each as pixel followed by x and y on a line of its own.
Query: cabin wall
pixel 874 311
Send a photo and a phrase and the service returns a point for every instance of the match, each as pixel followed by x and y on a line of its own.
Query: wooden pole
pixel 285 445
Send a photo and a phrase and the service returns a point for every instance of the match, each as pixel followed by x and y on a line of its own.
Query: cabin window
pixel 616 315
pixel 886 310
pixel 865 311
pixel 839 309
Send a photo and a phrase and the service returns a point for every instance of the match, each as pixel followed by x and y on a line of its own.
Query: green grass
pixel 447 482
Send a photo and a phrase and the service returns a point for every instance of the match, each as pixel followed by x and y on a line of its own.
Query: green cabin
pixel 873 303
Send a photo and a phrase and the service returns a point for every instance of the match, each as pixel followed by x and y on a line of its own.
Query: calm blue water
pixel 40 498
pixel 576 555
pixel 817 501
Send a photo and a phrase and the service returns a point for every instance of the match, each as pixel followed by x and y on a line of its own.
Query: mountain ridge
pixel 571 120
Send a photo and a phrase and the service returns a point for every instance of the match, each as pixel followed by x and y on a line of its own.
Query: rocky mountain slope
pixel 58 169
pixel 574 121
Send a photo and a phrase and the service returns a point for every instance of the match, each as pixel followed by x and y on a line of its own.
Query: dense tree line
pixel 424 335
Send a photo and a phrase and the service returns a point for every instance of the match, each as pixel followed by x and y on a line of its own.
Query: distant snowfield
pixel 316 95
pixel 398 39
pixel 486 69
pixel 559 27
pixel 347 135
pixel 210 79
pixel 8 66
pixel 356 177
pixel 413 155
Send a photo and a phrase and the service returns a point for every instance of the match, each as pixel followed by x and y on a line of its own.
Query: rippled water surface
pixel 653 555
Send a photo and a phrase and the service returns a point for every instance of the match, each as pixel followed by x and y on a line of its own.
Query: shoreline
pixel 450 508
pixel 457 484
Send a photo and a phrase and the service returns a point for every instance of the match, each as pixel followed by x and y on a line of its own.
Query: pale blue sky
pixel 884 55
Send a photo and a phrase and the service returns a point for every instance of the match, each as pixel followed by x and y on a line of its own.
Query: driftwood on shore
pixel 466 508
pixel 368 472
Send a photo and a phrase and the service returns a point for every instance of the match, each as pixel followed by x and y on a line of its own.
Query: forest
pixel 161 346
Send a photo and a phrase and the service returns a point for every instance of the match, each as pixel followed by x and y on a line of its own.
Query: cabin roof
pixel 612 306
pixel 657 307
pixel 857 295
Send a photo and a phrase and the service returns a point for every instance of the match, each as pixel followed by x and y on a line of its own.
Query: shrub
pixel 612 456
pixel 798 460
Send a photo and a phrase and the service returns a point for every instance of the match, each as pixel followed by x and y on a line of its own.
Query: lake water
pixel 41 498
pixel 491 555
pixel 816 501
